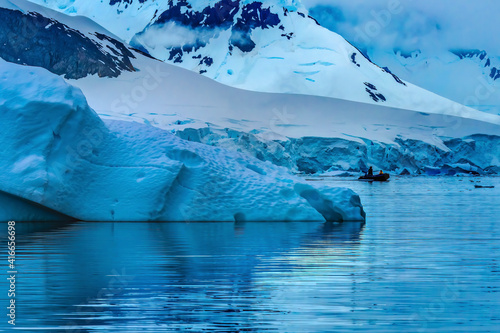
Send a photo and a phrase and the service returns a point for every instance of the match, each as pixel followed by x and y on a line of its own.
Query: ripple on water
pixel 426 260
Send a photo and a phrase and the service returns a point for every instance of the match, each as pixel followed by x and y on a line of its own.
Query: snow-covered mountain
pixel 60 160
pixel 467 72
pixel 470 77
pixel 268 46
pixel 303 133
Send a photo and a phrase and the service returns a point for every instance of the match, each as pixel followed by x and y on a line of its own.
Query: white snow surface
pixel 172 98
pixel 56 152
pixel 314 61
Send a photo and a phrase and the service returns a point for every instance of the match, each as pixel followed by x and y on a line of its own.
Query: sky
pixel 409 25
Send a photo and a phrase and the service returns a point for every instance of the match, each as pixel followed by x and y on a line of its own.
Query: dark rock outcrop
pixel 231 15
pixel 34 40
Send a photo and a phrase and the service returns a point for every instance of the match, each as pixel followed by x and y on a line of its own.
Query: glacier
pixel 477 154
pixel 58 157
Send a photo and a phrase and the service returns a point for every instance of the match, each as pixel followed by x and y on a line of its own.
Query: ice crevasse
pixel 57 154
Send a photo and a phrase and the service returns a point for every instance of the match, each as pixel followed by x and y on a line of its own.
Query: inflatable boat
pixel 380 177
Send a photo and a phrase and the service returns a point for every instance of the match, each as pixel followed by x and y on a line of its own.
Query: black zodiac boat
pixel 380 177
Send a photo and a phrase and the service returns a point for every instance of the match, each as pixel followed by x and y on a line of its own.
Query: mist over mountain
pixel 446 47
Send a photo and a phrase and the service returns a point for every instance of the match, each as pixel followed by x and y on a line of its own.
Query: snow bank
pixel 56 152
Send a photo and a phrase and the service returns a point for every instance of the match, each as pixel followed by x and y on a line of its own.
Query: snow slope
pixel 268 46
pixel 468 73
pixel 56 152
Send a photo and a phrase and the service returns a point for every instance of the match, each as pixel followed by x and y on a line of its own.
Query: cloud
pixel 170 34
pixel 414 25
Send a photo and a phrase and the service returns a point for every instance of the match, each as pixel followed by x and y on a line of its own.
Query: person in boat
pixel 370 171
pixel 381 172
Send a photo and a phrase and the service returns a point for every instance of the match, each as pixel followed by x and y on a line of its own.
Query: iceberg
pixel 57 154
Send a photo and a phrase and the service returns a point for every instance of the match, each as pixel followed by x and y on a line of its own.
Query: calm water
pixel 427 260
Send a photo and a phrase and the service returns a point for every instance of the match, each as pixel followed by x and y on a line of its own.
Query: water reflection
pixel 189 276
